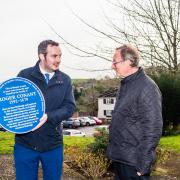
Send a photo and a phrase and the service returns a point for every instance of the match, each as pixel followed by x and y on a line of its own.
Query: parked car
pixel 71 123
pixel 73 132
pixel 88 121
pixel 82 122
pixel 98 121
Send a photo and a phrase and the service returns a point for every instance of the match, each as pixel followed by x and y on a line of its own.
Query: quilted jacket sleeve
pixel 150 110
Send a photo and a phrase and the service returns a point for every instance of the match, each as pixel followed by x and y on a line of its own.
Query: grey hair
pixel 129 52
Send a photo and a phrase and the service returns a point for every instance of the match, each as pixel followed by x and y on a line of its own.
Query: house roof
pixel 109 93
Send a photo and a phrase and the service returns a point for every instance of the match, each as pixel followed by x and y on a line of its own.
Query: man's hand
pixel 42 121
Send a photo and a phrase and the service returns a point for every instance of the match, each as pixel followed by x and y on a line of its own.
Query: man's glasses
pixel 114 63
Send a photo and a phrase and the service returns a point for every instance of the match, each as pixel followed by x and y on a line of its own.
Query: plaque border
pixel 35 87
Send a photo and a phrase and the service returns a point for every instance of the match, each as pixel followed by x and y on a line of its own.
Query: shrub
pixel 169 85
pixel 91 165
pixel 99 145
pixel 169 131
pixel 91 161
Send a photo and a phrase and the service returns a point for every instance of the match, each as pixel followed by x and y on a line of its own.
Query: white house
pixel 106 103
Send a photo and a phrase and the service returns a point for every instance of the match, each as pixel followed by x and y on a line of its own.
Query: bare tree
pixel 154 28
pixel 151 25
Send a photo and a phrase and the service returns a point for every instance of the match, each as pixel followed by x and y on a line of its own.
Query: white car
pixel 73 132
pixel 88 121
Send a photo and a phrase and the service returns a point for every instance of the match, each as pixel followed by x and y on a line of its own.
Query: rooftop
pixel 110 92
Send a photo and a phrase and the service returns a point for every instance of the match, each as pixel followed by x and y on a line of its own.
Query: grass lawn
pixel 7 141
pixel 77 141
pixel 171 143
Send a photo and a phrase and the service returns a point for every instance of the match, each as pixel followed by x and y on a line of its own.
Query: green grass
pixel 7 142
pixel 77 141
pixel 171 143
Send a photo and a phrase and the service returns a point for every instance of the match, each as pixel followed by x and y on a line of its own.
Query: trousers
pixel 27 163
pixel 126 172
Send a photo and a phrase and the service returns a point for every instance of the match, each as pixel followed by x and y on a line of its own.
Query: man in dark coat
pixel 137 122
pixel 45 142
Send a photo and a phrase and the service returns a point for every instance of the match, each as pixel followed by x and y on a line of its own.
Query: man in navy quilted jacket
pixel 136 124
pixel 45 142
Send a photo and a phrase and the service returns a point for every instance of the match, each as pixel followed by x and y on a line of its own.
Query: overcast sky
pixel 23 26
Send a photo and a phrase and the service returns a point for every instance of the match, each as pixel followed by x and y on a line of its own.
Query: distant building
pixel 106 103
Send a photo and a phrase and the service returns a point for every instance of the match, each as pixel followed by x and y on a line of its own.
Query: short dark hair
pixel 129 52
pixel 42 47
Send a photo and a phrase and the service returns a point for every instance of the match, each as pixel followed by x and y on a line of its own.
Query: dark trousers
pixel 126 172
pixel 27 163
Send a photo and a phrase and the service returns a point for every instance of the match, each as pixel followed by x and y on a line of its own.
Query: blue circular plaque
pixel 21 105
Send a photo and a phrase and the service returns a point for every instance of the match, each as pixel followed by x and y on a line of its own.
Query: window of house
pixel 112 101
pixel 108 101
pixel 108 113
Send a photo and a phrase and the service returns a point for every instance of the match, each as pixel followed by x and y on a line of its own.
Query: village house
pixel 106 103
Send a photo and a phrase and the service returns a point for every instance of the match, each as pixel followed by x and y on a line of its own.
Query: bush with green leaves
pixel 100 141
pixel 169 85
